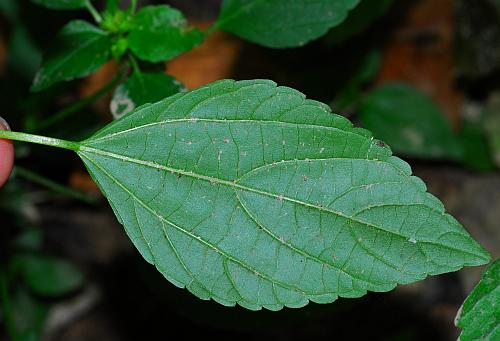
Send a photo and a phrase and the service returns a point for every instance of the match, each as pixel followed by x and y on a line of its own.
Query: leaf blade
pixel 148 87
pixel 161 33
pixel 359 19
pixel 479 317
pixel 80 49
pixel 49 276
pixel 280 23
pixel 409 122
pixel 198 198
pixel 61 4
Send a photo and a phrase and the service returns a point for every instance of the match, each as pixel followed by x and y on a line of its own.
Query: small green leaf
pixel 161 33
pixel 479 316
pixel 61 4
pixel 119 48
pixel 29 239
pixel 116 21
pixel 140 89
pixel 282 23
pixel 29 315
pixel 24 56
pixel 409 122
pixel 476 150
pixel 249 194
pixel 47 275
pixel 351 93
pixel 79 49
pixel 112 6
pixel 492 128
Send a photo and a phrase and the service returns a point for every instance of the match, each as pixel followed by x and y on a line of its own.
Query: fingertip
pixel 3 124
pixel 6 154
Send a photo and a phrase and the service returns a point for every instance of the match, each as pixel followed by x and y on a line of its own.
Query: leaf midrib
pixel 234 184
pixel 70 55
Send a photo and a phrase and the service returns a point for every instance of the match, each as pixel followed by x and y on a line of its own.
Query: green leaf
pixel 351 93
pixel 24 56
pixel 409 122
pixel 79 49
pixel 61 4
pixel 492 128
pixel 282 23
pixel 29 315
pixel 29 239
pixel 119 48
pixel 116 21
pixel 476 150
pixel 47 275
pixel 112 6
pixel 359 19
pixel 140 89
pixel 161 33
pixel 9 9
pixel 248 193
pixel 479 316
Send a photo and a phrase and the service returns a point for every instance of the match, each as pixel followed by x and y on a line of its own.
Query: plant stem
pixel 134 64
pixel 76 107
pixel 48 141
pixel 137 69
pixel 7 308
pixel 52 185
pixel 93 11
pixel 133 6
pixel 211 29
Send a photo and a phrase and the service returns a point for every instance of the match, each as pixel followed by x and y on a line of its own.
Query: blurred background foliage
pixel 423 75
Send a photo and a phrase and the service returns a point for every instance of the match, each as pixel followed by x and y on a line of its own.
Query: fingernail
pixel 4 123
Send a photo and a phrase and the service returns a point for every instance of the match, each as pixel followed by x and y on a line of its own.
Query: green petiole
pixel 47 141
pixel 95 14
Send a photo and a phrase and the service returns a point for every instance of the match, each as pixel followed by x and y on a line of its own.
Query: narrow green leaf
pixel 479 316
pixel 352 91
pixel 47 275
pixel 409 122
pixel 161 33
pixel 140 89
pixel 476 150
pixel 282 23
pixel 492 128
pixel 24 56
pixel 112 6
pixel 248 193
pixel 359 19
pixel 61 4
pixel 79 49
